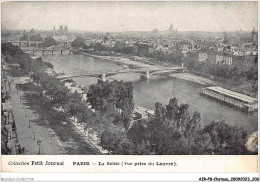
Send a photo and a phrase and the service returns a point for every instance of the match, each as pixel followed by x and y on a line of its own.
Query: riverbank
pixel 245 88
pixel 194 78
pixel 122 61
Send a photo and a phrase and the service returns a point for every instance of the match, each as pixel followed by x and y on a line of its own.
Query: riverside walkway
pixel 34 124
pixel 29 130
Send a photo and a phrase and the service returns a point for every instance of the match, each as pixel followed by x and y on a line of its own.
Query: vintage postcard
pixel 129 86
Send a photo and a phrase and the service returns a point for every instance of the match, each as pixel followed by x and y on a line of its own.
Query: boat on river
pixel 241 101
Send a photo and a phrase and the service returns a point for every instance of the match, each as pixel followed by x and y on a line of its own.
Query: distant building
pixel 155 31
pixel 244 62
pixel 66 29
pixel 202 57
pixel 171 27
pixel 108 41
pixel 61 33
pixel 212 57
pixel 150 50
pixel 31 36
pixel 61 28
pixel 32 31
pixel 88 41
pixel 254 36
pixel 129 43
pixel 223 58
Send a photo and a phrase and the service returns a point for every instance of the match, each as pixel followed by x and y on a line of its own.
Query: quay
pixel 194 79
pixel 127 61
pixel 241 101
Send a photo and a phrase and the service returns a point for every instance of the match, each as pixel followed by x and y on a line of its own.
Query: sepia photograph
pixel 129 78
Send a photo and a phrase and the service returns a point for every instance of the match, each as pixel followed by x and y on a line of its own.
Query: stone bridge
pixel 30 43
pixel 27 43
pixel 47 50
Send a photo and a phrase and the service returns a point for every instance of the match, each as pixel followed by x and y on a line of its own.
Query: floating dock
pixel 244 102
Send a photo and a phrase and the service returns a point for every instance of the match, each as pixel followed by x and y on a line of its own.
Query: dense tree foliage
pixel 25 37
pixel 173 131
pixel 78 42
pixel 33 37
pixel 227 140
pixel 137 133
pixel 49 41
pixel 108 97
pixel 36 37
pixel 13 53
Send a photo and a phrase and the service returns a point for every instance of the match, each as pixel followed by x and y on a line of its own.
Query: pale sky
pixel 130 16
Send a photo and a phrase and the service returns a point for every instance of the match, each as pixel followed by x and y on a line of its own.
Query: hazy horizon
pixel 131 16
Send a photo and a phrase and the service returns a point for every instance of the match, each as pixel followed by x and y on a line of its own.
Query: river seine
pixel 157 88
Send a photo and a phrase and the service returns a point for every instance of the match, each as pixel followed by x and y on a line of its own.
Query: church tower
pixel 171 27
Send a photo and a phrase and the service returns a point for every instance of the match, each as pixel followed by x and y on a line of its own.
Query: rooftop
pixel 233 94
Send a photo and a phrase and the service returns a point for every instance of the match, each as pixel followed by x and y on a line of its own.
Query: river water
pixel 157 88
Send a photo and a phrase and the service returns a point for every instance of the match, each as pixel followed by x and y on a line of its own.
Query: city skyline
pixel 131 16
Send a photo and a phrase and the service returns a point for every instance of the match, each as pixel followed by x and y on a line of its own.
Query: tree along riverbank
pixel 48 119
pixel 171 131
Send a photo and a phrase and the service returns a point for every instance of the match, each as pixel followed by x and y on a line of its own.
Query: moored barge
pixel 241 101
